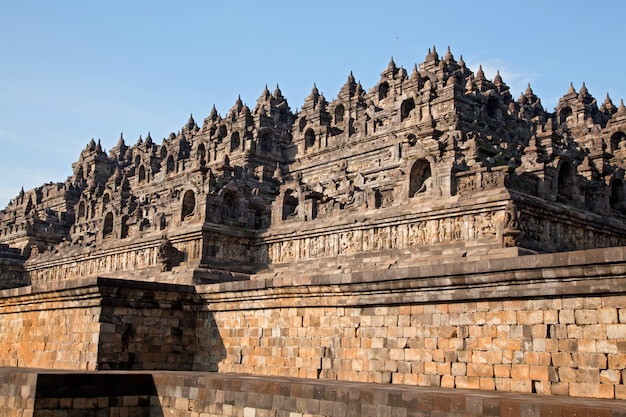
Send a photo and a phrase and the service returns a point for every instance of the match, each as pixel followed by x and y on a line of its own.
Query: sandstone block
pixel 567 317
pixel 480 370
pixel 585 317
pixel 467 382
pixel 520 371
pixel 616 331
pixel 567 375
pixel 610 376
pixel 530 317
pixel 591 390
pixel 520 385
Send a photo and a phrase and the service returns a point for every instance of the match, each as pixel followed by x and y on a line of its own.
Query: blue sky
pixel 72 71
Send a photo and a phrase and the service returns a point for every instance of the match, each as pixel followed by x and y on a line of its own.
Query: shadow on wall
pixel 155 326
pixel 96 394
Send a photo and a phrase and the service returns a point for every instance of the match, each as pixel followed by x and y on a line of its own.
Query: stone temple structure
pixel 430 246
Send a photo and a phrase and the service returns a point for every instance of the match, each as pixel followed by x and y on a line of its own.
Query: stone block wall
pixel 562 346
pixel 49 328
pixel 99 323
pixel 17 393
pixel 247 396
pixel 147 325
pixel 545 324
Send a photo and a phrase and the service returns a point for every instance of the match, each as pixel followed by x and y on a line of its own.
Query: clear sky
pixel 75 70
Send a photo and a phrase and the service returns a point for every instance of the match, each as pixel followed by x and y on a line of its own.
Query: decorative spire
pixel 265 94
pixel 498 79
pixel 583 90
pixel 148 139
pixel 448 58
pixel 213 114
pixel 432 55
pixel 191 123
pixel 461 62
pixel 529 91
pixel 414 74
pixel 571 89
pixel 480 75
pixel 314 92
pixel 120 141
pixel 277 93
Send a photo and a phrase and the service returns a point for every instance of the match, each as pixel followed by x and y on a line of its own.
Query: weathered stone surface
pixel 432 231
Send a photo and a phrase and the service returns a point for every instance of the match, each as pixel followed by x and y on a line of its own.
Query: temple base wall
pixel 34 393
pixel 551 324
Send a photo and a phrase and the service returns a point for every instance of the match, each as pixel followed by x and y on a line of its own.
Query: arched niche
pixel 565 115
pixel 290 204
pixel 420 178
pixel 169 165
pixel 566 184
pixel 235 141
pixel 107 227
pixel 265 141
pixel 189 205
pixel 309 138
pixel 141 174
pixel 201 154
pixel 230 206
pixel 383 90
pixel 617 199
pixel 302 123
pixel 406 108
pixel 81 210
pixel 163 152
pixel 616 140
pixel 493 105
pixel 339 112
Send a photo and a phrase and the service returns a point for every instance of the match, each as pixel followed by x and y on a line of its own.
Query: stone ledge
pixel 595 271
pixel 190 393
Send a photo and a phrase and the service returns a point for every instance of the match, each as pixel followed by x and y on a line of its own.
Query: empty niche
pixel 235 141
pixel 616 140
pixel 420 177
pixel 618 195
pixel 189 205
pixel 309 139
pixel 81 209
pixel 492 107
pixel 169 166
pixel 107 228
pixel 142 174
pixel 339 111
pixel 383 90
pixel 266 142
pixel 566 180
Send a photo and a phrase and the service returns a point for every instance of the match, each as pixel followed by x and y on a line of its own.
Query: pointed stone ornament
pixel 448 58
pixel 480 75
pixel 571 89
pixel 497 79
